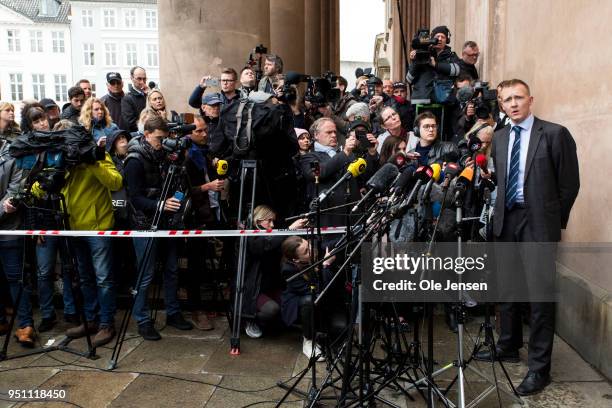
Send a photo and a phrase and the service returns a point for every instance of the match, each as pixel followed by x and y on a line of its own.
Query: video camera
pixel 422 43
pixel 255 60
pixel 483 98
pixel 179 127
pixel 320 90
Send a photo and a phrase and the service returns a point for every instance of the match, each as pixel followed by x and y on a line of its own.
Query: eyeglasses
pixel 427 127
pixel 228 80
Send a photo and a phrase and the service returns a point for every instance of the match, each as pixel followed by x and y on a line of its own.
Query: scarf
pixel 330 151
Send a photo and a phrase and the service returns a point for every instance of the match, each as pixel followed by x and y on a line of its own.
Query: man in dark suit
pixel 537 172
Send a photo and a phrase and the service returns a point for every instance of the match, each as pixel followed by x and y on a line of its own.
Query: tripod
pixel 170 184
pixel 236 316
pixel 60 214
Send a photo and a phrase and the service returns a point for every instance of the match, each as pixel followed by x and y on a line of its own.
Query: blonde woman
pixel 9 129
pixel 96 118
pixel 157 103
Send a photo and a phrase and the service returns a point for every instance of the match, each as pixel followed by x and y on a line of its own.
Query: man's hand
pixel 470 111
pixel 350 145
pixel 375 102
pixel 215 185
pixel 432 61
pixel 203 81
pixel 326 111
pixel 412 55
pixel 469 162
pixel 373 144
pixel 327 262
pixel 298 224
pixel 102 141
pixel 172 204
pixel 8 207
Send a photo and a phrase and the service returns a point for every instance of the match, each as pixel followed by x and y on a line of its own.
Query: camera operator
pixel 469 58
pixel 11 248
pixel 72 110
pixel 205 206
pixel 333 164
pixel 462 114
pixel 273 66
pixel 340 107
pixel 136 99
pixel 143 172
pixel 228 93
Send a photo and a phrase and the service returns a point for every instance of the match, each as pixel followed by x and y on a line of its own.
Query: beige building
pixel 559 47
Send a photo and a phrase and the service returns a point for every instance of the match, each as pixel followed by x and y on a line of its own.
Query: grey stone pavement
pixel 195 369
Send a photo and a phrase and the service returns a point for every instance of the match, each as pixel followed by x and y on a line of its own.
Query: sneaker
pixel 178 321
pixel 104 336
pixel 25 336
pixel 201 321
pixel 79 331
pixel 307 349
pixel 252 330
pixel 46 324
pixel 148 332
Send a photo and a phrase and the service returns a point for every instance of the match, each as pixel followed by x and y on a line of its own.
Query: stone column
pixel 312 36
pixel 199 37
pixel 287 32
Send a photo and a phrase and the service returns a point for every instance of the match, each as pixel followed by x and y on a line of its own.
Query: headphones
pixel 416 129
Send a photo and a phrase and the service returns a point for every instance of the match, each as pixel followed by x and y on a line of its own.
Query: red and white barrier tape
pixel 171 233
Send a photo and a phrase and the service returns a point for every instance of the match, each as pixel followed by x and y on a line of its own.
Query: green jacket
pixel 88 195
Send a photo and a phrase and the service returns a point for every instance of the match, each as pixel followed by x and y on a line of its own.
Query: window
pixel 110 53
pixel 87 18
pixel 151 19
pixel 61 88
pixel 14 43
pixel 38 86
pixel 152 55
pixel 58 41
pixel 16 81
pixel 129 18
pixel 130 55
pixel 36 41
pixel 88 54
pixel 109 18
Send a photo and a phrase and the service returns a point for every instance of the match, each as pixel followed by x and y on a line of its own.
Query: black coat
pixel 551 179
pixel 71 114
pixel 113 104
pixel 422 77
pixel 131 105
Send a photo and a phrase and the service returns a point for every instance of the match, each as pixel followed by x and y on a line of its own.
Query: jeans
pixel 46 255
pixel 11 262
pixel 159 247
pixel 94 261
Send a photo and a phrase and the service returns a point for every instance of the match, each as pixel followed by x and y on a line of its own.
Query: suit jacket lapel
pixel 534 141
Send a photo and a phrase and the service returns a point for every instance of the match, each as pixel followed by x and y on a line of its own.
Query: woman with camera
pixel 96 119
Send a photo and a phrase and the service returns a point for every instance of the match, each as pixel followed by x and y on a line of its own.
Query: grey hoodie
pixel 10 183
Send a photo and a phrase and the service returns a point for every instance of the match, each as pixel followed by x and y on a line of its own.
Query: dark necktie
pixel 513 173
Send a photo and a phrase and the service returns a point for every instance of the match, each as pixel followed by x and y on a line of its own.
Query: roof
pixel 31 10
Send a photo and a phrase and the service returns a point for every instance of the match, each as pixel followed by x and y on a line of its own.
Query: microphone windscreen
pixel 481 161
pixel 406 176
pixel 424 173
pixel 467 174
pixel 152 85
pixel 222 167
pixel 451 170
pixel 465 94
pixel 292 77
pixel 357 167
pixel 358 72
pixel 437 169
pixel 381 180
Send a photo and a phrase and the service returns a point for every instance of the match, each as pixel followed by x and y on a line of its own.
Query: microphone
pixel 379 182
pixel 463 181
pixel 222 167
pixel 474 144
pixel 437 169
pixel 481 161
pixel 294 78
pixel 152 85
pixel 450 171
pixel 354 169
pixel 422 175
pixel 399 159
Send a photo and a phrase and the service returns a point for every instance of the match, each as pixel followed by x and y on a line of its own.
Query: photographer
pixel 143 172
pixel 206 213
pixel 228 93
pixel 273 66
pixel 11 248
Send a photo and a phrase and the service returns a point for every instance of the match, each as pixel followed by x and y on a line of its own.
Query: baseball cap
pixel 211 99
pixel 48 103
pixel 356 123
pixel 113 76
pixel 399 85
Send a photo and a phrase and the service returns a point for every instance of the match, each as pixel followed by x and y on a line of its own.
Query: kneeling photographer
pixel 144 173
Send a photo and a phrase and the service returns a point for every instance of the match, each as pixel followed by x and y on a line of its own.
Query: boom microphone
pixel 379 182
pixel 354 169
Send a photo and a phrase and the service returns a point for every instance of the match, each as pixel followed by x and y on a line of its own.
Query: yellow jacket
pixel 88 194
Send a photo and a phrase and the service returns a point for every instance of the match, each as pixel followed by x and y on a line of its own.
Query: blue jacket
pixel 99 130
